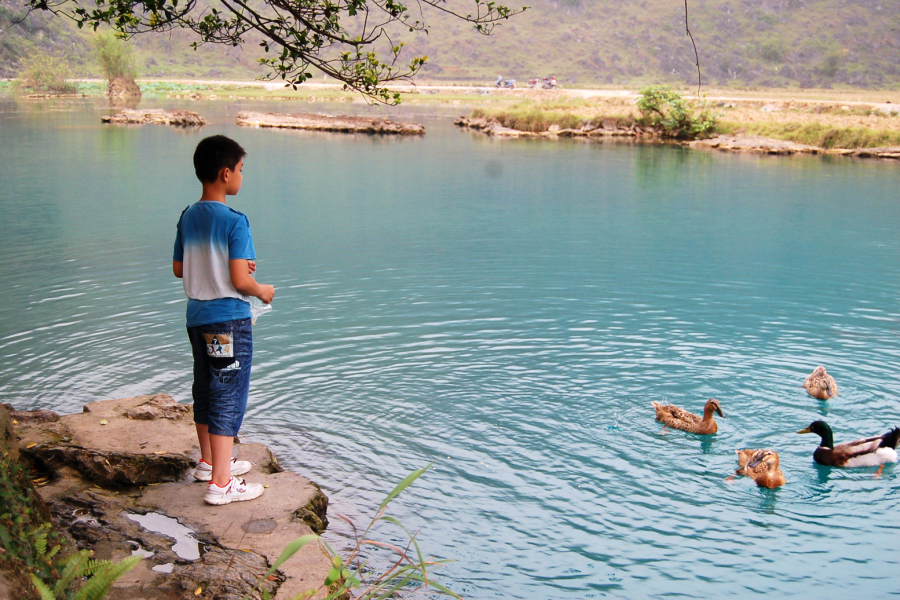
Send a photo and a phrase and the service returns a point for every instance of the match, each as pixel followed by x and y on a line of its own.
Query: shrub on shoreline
pixel 116 58
pixel 667 111
pixel 46 73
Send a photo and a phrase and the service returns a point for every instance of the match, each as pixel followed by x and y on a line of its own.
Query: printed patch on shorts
pixel 218 345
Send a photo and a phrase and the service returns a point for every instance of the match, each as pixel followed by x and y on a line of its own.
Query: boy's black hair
pixel 215 153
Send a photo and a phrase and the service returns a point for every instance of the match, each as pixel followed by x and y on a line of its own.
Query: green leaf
pixel 99 584
pixel 72 570
pixel 42 588
pixel 407 481
pixel 332 576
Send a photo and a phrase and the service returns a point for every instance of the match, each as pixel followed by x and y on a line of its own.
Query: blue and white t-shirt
pixel 210 234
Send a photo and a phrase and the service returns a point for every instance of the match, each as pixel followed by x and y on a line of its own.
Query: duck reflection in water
pixel 767 499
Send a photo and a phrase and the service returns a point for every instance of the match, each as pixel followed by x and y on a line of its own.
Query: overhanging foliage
pixel 344 39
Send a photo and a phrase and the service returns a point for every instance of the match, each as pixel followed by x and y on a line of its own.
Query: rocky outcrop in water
pixel 755 144
pixel 603 129
pixel 155 116
pixel 317 122
pixel 118 461
pixel 123 91
pixel 763 145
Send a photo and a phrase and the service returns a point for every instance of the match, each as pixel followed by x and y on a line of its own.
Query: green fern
pixel 45 592
pixel 73 569
pixel 104 576
pixel 30 545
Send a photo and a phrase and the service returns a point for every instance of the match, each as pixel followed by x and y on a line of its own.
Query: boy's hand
pixel 267 293
pixel 241 271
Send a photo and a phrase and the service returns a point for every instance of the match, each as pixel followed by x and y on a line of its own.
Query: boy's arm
pixel 242 281
pixel 178 268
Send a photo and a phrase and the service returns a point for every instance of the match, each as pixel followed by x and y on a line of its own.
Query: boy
pixel 214 255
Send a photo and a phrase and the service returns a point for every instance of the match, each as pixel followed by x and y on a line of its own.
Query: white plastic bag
pixel 257 308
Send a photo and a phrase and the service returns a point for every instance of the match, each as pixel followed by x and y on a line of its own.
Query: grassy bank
pixel 816 134
pixel 537 117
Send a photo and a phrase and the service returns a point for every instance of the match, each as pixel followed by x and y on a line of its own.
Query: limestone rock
pixel 155 116
pixel 763 145
pixel 99 521
pixel 493 127
pixel 314 512
pixel 31 416
pixel 318 122
pixel 236 543
pixel 105 446
pixel 892 152
pixel 121 87
pixel 160 406
pixel 266 525
pixel 755 144
pixel 123 91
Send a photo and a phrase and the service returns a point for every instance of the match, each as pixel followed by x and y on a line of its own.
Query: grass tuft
pixel 539 117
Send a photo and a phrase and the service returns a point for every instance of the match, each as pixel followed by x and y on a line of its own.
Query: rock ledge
pixel 155 116
pixel 134 456
pixel 317 122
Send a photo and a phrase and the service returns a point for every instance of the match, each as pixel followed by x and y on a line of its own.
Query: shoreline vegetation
pixel 826 119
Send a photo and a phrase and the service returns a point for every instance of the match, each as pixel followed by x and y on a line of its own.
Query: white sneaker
pixel 203 472
pixel 236 490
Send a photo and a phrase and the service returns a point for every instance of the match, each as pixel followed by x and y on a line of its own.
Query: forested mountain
pixel 741 42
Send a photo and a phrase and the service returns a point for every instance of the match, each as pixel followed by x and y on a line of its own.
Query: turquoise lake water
pixel 508 309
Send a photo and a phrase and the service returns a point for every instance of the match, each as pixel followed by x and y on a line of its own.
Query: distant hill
pixel 158 55
pixel 770 43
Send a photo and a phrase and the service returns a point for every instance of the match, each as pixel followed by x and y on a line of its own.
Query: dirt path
pixel 848 97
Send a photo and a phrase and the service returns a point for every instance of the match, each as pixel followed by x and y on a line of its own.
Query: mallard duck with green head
pixel 678 418
pixel 868 452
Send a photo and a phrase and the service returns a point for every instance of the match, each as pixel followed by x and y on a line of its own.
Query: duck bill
pixel 807 430
pixel 721 414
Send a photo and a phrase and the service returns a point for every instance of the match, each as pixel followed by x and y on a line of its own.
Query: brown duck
pixel 678 418
pixel 820 384
pixel 761 466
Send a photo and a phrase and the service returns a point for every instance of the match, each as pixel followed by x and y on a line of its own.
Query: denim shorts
pixel 223 353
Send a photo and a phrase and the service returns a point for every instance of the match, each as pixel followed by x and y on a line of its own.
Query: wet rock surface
pixel 319 122
pixel 120 461
pixel 155 116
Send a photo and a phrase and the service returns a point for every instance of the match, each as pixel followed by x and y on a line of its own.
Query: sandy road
pixel 887 101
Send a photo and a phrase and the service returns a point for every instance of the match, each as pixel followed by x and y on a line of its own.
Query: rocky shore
pixel 741 143
pixel 318 122
pixel 603 129
pixel 115 479
pixel 764 145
